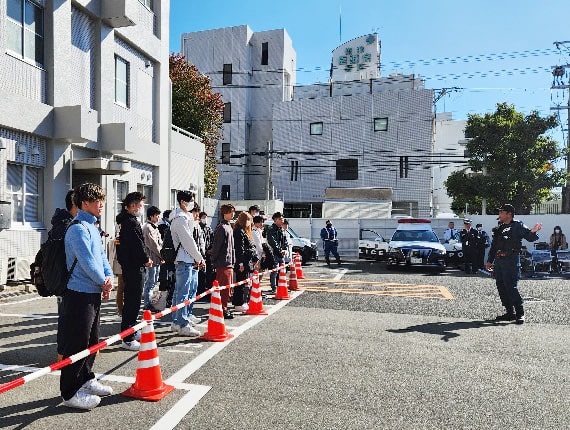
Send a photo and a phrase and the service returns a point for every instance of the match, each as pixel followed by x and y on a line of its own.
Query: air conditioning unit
pixel 19 268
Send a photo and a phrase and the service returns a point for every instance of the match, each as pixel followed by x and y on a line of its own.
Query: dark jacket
pixel 222 251
pixel 131 252
pixel 469 238
pixel 244 249
pixel 60 220
pixel 507 239
pixel 276 240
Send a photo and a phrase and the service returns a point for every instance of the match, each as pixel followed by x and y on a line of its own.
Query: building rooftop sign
pixel 357 59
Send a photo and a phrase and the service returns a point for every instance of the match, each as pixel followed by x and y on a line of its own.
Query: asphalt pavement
pixel 359 348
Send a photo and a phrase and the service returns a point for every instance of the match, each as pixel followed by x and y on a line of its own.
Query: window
pixel 24 188
pixel 227 76
pixel 316 128
pixel 227 112
pixel 225 153
pixel 25 30
pixel 225 194
pixel 173 201
pixel 121 81
pixel 147 4
pixel 347 169
pixel 294 170
pixel 404 167
pixel 121 191
pixel 264 53
pixel 146 191
pixel 380 124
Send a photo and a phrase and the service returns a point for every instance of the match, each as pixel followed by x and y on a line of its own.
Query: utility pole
pixel 268 185
pixel 558 83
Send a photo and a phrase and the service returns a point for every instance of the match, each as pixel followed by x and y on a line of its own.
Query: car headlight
pixel 390 249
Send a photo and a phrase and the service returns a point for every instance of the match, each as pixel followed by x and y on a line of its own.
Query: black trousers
pixel 133 280
pixel 241 292
pixel 81 330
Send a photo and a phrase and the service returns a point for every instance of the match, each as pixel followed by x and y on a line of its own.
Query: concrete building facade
pixel 252 71
pixel 85 96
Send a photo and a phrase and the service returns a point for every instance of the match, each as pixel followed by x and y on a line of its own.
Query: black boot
pixel 508 316
pixel 338 260
pixel 328 261
pixel 519 310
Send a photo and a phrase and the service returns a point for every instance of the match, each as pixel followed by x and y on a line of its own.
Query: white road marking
pixel 205 356
pixel 171 419
pixel 24 301
pixel 339 275
pixel 36 316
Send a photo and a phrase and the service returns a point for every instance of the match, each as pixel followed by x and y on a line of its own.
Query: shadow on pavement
pixel 447 330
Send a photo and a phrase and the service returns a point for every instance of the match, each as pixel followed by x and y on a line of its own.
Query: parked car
pixel 454 251
pixel 375 249
pixel 307 250
pixel 414 243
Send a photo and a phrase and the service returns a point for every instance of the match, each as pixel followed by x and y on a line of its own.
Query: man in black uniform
pixel 505 253
pixel 469 240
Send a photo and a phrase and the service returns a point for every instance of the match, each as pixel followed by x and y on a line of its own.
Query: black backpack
pixel 49 270
pixel 168 252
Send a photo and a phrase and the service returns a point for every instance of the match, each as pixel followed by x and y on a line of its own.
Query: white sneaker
pixel 93 386
pixel 133 345
pixel 195 320
pixel 188 330
pixel 174 327
pixel 138 336
pixel 242 308
pixel 83 400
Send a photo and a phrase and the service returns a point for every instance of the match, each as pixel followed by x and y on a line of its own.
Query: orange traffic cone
pixel 216 331
pixel 298 267
pixel 282 290
pixel 255 300
pixel 293 284
pixel 148 383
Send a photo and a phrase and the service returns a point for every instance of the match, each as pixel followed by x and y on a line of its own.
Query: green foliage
pixel 518 158
pixel 197 109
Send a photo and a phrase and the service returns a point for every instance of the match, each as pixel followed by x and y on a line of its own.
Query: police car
pixel 414 243
pixel 454 251
pixel 372 249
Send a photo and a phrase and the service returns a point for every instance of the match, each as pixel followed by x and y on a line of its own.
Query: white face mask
pixel 203 220
pixel 140 212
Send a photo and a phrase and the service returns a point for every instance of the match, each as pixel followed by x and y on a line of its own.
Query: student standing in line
pixel 90 279
pixel 223 255
pixel 133 259
pixel 188 262
pixel 246 259
pixel 153 245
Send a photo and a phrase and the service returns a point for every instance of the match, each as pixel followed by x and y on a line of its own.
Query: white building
pixel 252 71
pixel 448 157
pixel 360 130
pixel 85 96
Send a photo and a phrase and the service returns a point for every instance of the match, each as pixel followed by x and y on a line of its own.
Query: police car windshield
pixel 415 235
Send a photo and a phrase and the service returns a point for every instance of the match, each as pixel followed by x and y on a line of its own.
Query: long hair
pixel 241 222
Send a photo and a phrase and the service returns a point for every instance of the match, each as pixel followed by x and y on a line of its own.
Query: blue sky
pixel 496 51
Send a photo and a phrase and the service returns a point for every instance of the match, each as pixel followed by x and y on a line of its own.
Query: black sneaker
pixel 506 317
pixel 519 319
pixel 228 315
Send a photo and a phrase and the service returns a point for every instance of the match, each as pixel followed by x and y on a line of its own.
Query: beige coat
pixel 152 241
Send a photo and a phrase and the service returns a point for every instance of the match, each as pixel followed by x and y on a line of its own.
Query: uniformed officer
pixel 484 243
pixel 505 253
pixel 330 242
pixel 469 240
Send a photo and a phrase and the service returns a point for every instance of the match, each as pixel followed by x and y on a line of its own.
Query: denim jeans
pixel 151 281
pixel 275 275
pixel 186 286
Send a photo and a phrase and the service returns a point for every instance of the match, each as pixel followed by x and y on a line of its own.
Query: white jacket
pixel 182 226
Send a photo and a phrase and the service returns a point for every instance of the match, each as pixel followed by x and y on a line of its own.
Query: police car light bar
pixel 414 221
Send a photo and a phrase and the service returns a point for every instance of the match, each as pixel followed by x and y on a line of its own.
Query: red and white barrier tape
pixel 113 339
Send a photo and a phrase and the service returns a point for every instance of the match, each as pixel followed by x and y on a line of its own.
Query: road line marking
pixel 340 275
pixel 182 407
pixel 194 365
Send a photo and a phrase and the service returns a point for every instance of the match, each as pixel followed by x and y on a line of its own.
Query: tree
pixel 197 109
pixel 511 161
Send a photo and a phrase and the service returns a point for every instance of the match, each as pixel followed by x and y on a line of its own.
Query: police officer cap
pixel 507 208
pixel 467 221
